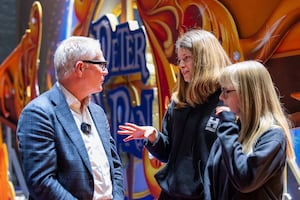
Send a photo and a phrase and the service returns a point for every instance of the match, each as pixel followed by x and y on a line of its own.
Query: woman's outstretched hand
pixel 137 132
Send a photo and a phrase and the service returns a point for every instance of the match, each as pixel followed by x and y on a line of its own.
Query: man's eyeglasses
pixel 225 92
pixel 102 64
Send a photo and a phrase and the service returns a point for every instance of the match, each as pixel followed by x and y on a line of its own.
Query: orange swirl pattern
pixel 85 10
pixel 7 188
pixel 277 35
pixel 18 83
pixel 18 72
pixel 166 20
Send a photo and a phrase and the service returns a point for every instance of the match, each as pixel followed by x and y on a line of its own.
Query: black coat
pixel 232 174
pixel 184 144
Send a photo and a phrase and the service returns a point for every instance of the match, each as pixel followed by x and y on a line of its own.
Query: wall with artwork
pixel 137 39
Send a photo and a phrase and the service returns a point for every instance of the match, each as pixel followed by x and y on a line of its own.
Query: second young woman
pixel 247 160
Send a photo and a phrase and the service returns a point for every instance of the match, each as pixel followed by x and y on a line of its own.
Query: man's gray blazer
pixel 54 158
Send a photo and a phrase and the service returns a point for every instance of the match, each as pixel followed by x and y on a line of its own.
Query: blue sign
pixel 125 51
pixel 124 48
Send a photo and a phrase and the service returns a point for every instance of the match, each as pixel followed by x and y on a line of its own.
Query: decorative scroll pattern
pixel 166 20
pixel 18 72
pixel 85 11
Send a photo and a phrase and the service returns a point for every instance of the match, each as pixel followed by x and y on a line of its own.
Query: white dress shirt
pixel 97 156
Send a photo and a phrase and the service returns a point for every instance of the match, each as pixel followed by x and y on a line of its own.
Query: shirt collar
pixel 73 102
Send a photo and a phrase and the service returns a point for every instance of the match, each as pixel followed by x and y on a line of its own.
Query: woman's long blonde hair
pixel 209 58
pixel 260 107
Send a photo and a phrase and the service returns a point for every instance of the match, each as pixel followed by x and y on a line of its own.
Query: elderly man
pixel 66 148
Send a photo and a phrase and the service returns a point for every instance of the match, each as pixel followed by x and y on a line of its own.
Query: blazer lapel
pixel 101 125
pixel 67 121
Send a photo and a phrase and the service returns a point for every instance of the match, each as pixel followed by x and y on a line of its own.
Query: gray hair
pixel 71 50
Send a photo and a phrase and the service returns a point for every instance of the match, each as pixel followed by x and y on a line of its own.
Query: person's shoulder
pixel 275 134
pixel 43 100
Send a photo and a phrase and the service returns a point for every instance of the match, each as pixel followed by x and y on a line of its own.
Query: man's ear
pixel 79 67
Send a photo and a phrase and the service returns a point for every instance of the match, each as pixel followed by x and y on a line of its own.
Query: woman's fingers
pixel 130 137
pixel 133 131
pixel 124 132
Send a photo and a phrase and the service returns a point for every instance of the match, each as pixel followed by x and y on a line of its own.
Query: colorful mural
pixel 142 61
pixel 18 72
pixel 266 31
pixel 18 85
